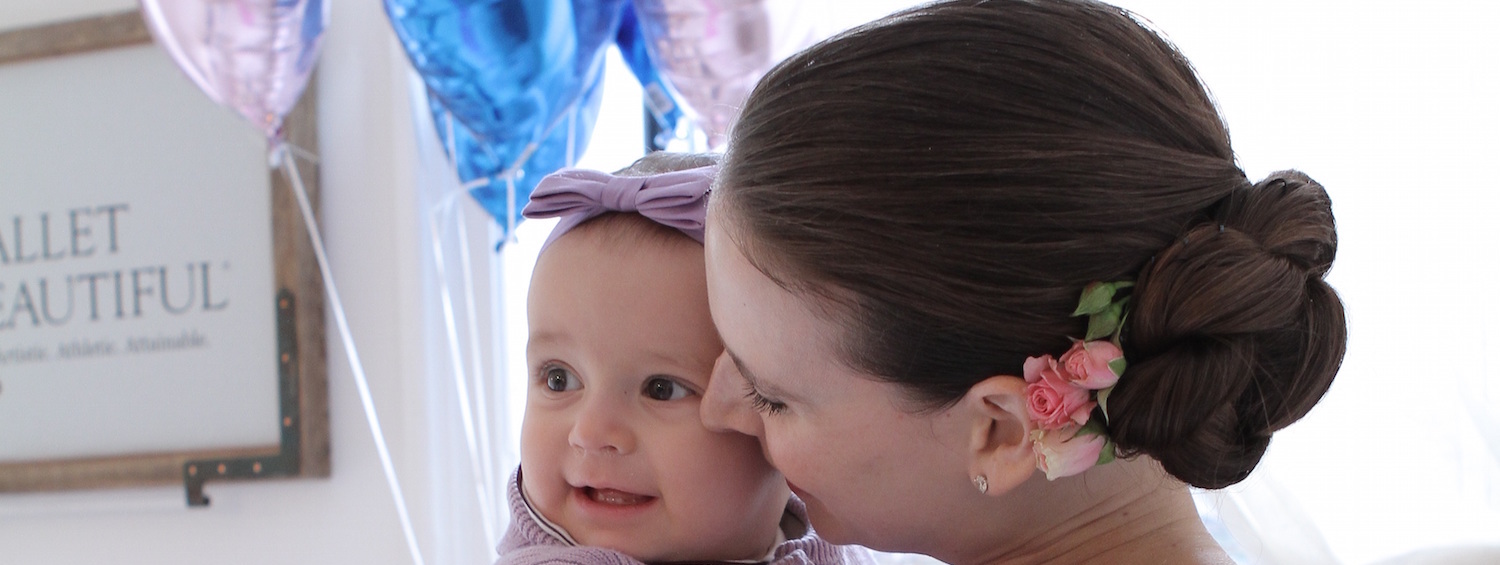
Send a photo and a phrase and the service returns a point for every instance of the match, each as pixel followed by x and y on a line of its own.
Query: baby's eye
pixel 558 379
pixel 661 388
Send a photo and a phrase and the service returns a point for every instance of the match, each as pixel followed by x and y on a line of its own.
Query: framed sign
pixel 161 313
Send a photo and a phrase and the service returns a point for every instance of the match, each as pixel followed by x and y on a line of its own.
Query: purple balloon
pixel 251 56
pixel 712 52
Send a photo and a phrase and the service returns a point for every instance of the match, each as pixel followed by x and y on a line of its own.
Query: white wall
pixel 370 228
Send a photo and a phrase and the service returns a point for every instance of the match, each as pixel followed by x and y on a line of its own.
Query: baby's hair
pixel 663 162
pixel 626 230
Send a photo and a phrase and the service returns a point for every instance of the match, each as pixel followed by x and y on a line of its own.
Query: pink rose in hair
pixel 1051 400
pixel 1087 364
pixel 1066 452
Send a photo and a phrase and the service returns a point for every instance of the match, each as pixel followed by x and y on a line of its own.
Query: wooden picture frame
pixel 297 305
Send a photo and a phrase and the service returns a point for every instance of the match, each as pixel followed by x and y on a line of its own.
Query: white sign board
pixel 137 291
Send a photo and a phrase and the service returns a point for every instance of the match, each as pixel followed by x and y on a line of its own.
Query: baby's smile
pixel 610 508
pixel 613 497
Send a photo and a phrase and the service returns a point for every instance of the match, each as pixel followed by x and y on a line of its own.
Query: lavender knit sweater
pixel 528 543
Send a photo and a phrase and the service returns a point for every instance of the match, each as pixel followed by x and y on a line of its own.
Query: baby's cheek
pixel 543 448
pixel 750 473
pixel 722 466
pixel 733 450
pixel 732 497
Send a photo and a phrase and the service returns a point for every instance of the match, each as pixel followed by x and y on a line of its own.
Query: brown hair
pixel 950 178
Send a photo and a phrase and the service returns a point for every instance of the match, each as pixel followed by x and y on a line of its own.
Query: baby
pixel 616 466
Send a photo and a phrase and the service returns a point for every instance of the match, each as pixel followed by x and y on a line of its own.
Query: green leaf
pixel 1096 297
pixel 1104 323
pixel 1117 366
pixel 1092 428
pixel 1115 339
pixel 1103 399
pixel 1107 453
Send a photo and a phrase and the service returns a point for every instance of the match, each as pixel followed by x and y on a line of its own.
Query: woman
pixel 906 221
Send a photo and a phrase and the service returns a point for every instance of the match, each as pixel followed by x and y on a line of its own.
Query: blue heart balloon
pixel 659 101
pixel 512 74
pixel 504 195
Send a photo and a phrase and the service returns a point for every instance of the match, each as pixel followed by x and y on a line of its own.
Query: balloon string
pixel 479 456
pixel 513 172
pixel 460 379
pixel 451 142
pixel 510 175
pixel 471 185
pixel 510 209
pixel 303 153
pixel 572 136
pixel 481 398
pixel 289 168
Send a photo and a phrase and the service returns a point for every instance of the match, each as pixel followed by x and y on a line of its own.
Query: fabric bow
pixel 676 199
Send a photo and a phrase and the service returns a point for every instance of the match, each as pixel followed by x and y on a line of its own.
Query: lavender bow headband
pixel 676 199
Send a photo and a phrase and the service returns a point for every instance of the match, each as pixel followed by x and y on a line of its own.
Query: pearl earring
pixel 982 483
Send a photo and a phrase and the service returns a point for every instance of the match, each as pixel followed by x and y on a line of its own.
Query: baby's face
pixel 621 347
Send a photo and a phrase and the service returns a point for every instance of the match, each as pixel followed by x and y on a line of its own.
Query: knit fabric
pixel 527 542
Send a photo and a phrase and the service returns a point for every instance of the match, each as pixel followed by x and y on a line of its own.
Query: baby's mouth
pixel 614 497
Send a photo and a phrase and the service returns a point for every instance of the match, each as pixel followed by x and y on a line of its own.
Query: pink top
pixel 530 542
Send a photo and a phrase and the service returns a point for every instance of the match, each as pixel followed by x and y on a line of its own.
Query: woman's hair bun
pixel 1233 333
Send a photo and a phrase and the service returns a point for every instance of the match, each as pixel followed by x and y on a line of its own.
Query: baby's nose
pixel 603 427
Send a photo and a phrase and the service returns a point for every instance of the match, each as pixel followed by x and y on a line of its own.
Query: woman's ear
pixel 1000 434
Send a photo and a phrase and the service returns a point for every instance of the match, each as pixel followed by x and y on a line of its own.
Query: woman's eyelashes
pixel 761 403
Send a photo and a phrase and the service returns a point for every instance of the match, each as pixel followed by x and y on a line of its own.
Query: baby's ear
pixel 659 162
pixel 1000 433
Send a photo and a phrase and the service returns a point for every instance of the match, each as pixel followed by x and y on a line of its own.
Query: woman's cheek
pixel 783 452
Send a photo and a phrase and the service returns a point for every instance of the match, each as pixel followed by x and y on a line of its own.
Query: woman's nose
pixel 603 425
pixel 724 407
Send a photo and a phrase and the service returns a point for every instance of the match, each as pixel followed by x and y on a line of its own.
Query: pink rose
pixel 1088 364
pixel 1051 400
pixel 1066 452
pixel 1033 367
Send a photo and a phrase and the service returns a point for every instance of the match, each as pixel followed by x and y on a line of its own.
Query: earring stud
pixel 982 483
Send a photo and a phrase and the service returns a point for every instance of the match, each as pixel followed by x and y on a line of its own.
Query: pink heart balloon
pixel 251 56
pixel 712 52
